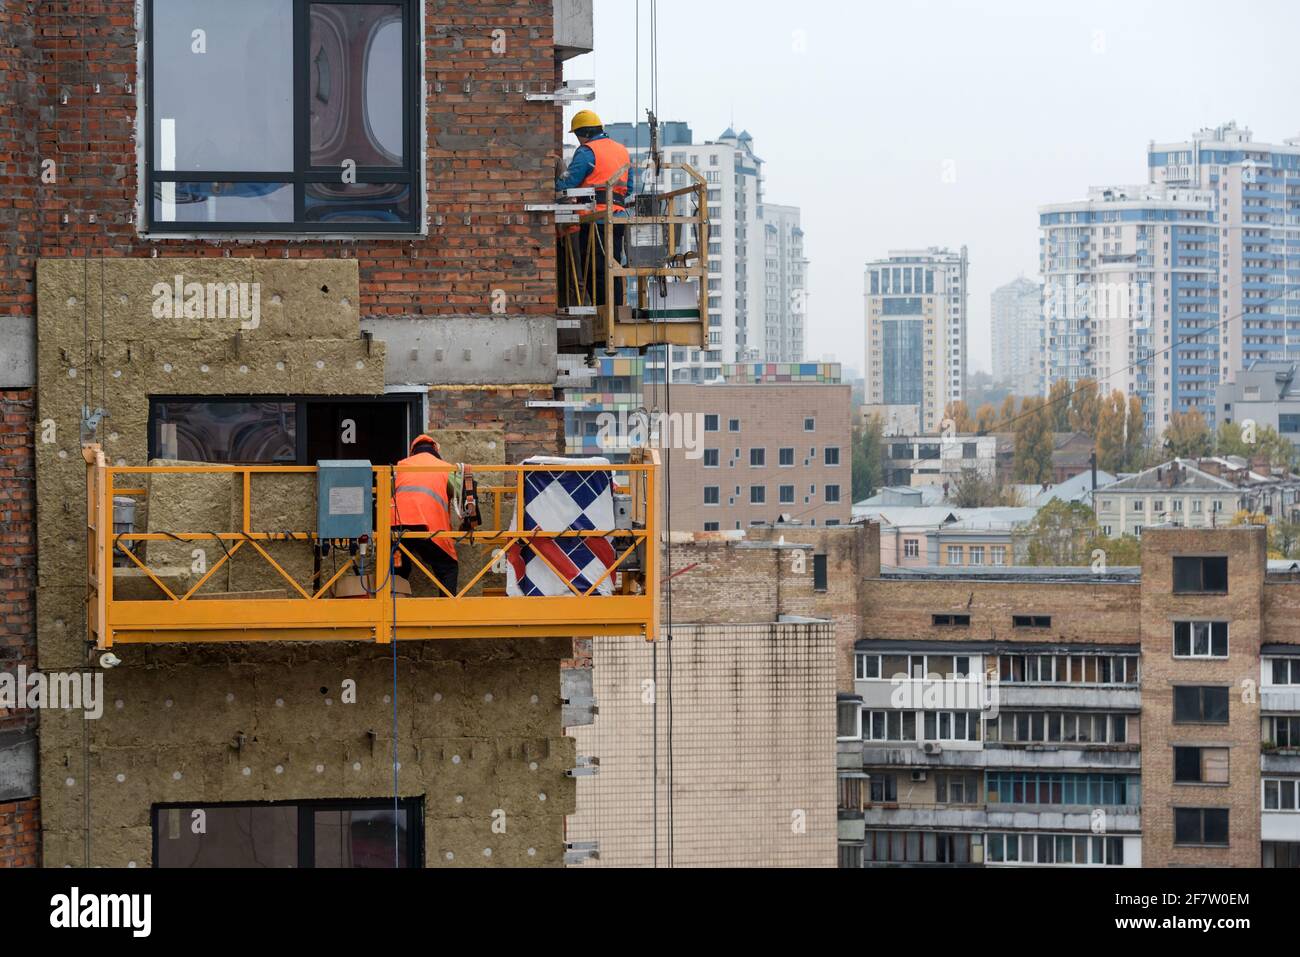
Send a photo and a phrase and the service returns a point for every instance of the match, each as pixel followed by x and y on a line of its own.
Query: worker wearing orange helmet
pixel 598 160
pixel 422 502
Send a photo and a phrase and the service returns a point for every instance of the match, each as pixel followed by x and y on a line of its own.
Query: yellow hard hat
pixel 583 119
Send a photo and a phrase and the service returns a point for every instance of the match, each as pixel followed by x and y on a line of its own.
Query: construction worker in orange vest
pixel 598 160
pixel 422 503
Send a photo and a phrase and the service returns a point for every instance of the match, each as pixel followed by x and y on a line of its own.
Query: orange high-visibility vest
pixel 611 156
pixel 420 499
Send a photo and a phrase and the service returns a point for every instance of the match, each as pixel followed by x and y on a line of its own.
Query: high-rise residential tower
pixel 916 331
pixel 1256 193
pixel 1017 322
pixel 1130 295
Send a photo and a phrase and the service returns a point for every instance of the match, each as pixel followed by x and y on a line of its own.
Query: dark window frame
pixel 1181 561
pixel 413 400
pixel 1202 828
pixel 821 581
pixel 1202 705
pixel 410 173
pixel 414 808
pixel 950 621
pixel 1031 621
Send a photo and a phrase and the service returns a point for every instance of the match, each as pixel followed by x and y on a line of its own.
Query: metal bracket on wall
pixel 583 704
pixel 578 852
pixel 570 91
pixel 588 767
pixel 90 420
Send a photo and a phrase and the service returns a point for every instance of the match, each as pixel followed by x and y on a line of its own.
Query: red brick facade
pixel 20 834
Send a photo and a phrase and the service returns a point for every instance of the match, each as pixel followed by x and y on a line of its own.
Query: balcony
pixel 270 580
pixel 1039 757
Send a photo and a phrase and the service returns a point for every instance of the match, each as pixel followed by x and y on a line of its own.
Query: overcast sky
pixel 857 109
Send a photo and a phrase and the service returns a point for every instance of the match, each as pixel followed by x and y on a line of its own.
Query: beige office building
pixel 752 454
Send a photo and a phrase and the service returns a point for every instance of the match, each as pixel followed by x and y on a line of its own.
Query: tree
pixel 1275 548
pixel 986 419
pixel 1033 461
pixel 1007 413
pixel 1135 434
pixel 868 458
pixel 974 490
pixel 1118 552
pixel 1110 432
pixel 1187 436
pixel 1058 401
pixel 959 416
pixel 1085 407
pixel 1268 443
pixel 1062 533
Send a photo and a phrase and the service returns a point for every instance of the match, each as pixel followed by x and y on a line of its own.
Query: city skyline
pixel 791 80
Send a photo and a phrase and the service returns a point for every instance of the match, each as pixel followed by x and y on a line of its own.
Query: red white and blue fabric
pixel 563 501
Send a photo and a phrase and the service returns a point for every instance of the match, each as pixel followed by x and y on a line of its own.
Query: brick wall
pixel 527 431
pixel 489 152
pixel 720 578
pixel 19 167
pixel 1161 673
pixel 20 834
pixel 17 539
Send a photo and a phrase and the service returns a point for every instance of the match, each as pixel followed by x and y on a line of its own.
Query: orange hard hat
pixel 425 438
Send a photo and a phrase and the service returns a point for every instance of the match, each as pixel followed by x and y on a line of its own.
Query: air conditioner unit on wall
pixel 932 747
pixel 918 776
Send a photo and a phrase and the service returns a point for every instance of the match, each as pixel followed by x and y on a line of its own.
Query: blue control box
pixel 345 499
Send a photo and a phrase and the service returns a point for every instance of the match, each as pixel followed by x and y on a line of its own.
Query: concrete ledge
pixel 17 352
pixel 467 350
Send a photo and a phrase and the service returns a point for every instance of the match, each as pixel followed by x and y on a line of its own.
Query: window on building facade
pixel 1281 732
pixel 911 548
pixel 307 122
pixel 1201 826
pixel 1058 850
pixel 916 847
pixel 1075 790
pixel 820 571
pixel 307 834
pixel 1200 576
pixel 1283 671
pixel 1200 765
pixel 758 495
pixel 832 494
pixel 1280 794
pixel 733 425
pixel 832 456
pixel 1200 704
pixel 951 621
pixel 848 720
pixel 712 458
pixel 712 495
pixel 954 554
pixel 1054 727
pixel 757 458
pixel 1031 621
pixel 711 423
pixel 1068 669
pixel 1200 639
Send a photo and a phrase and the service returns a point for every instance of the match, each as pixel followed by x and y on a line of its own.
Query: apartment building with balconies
pixel 1093 717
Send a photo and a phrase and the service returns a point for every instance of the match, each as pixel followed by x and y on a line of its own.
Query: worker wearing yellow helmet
pixel 598 161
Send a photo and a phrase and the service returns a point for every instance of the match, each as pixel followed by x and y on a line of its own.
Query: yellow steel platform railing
pixel 680 236
pixel 310 611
